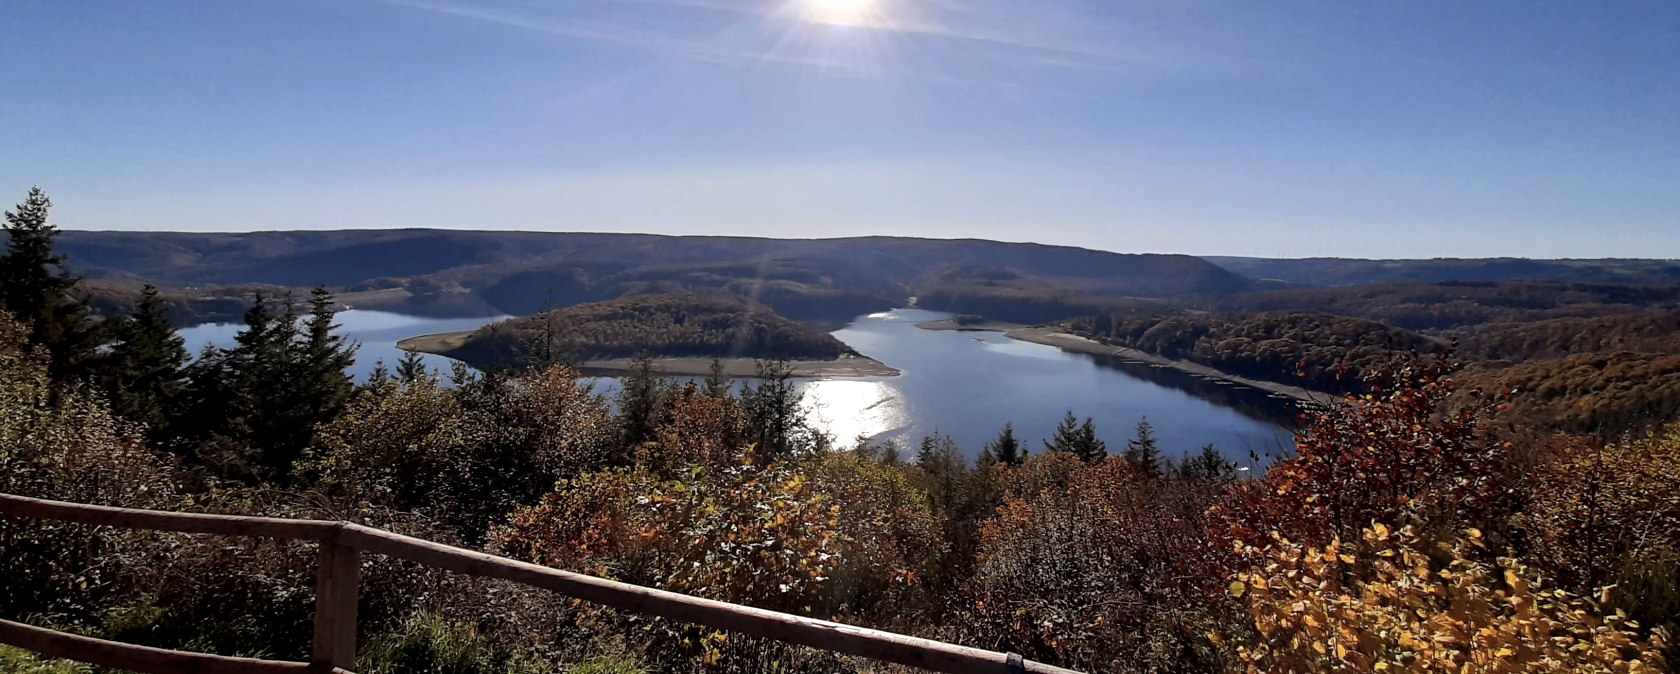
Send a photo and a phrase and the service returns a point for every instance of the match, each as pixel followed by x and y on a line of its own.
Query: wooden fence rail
pixel 338 579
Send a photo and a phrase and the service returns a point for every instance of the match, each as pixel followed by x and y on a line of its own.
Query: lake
pixel 962 384
pixel 377 331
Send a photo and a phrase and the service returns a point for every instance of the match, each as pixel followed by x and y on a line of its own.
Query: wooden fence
pixel 338 578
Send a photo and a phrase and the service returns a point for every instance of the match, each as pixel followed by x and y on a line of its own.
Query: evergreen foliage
pixel 774 411
pixel 252 409
pixel 642 396
pixel 1004 449
pixel 1208 467
pixel 1078 439
pixel 412 368
pixel 36 288
pixel 145 372
pixel 1143 452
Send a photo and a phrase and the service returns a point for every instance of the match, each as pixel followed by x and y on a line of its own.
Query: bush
pixel 1393 602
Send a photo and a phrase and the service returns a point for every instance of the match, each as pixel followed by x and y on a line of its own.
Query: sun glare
pixel 842 12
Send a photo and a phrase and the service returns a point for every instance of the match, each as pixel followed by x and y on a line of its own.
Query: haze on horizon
pixel 1367 129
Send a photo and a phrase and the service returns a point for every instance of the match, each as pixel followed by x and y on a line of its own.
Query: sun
pixel 842 12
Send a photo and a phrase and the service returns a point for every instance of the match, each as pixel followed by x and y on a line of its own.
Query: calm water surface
pixel 952 383
pixel 377 331
pixel 961 386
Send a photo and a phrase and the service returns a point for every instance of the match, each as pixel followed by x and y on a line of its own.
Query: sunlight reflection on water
pixel 847 409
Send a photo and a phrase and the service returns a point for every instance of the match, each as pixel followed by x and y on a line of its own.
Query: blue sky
pixel 1278 128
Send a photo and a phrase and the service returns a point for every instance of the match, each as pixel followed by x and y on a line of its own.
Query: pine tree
pixel 1142 451
pixel 1208 467
pixel 1066 435
pixel 145 372
pixel 946 471
pixel 641 404
pixel 412 368
pixel 1079 439
pixel 1090 448
pixel 717 382
pixel 37 290
pixel 774 410
pixel 1004 449
pixel 254 408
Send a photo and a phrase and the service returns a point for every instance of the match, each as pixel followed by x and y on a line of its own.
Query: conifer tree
pixel 946 471
pixel 254 408
pixel 641 404
pixel 717 382
pixel 412 368
pixel 1208 467
pixel 1143 452
pixel 37 290
pixel 1079 439
pixel 773 409
pixel 1004 449
pixel 145 372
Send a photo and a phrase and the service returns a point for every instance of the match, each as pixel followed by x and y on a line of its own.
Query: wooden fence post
pixel 338 578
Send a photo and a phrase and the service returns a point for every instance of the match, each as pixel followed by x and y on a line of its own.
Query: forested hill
pixel 678 326
pixel 1337 271
pixel 526 272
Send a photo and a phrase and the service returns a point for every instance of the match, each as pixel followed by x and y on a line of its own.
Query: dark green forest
pixel 1415 528
pixel 691 326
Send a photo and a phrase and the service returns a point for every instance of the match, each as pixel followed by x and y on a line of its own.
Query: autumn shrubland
pixel 1415 529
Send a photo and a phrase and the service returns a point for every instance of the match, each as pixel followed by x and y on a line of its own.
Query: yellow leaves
pixel 1428 614
pixel 1238 588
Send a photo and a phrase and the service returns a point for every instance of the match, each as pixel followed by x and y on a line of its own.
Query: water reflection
pixel 969 384
pixel 848 410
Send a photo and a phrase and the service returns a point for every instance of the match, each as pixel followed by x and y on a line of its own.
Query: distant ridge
pixel 1337 271
pixel 526 272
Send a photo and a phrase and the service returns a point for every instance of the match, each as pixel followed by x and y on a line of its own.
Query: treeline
pixel 1029 305
pixel 1411 532
pixel 801 288
pixel 1316 351
pixel 1644 332
pixel 703 326
pixel 1443 306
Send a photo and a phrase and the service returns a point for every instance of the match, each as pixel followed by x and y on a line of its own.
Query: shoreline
pixel 1059 338
pixel 849 366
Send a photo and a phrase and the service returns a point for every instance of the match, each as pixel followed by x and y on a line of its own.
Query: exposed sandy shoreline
pixel 846 366
pixel 1057 337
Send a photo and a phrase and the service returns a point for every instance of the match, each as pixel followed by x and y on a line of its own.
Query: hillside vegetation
pixel 1454 304
pixel 685 326
pixel 1333 271
pixel 1413 531
pixel 522 273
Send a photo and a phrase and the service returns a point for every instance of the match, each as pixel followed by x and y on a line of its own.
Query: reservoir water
pixel 962 384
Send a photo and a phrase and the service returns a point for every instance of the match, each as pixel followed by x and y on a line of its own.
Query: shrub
pixel 1393 602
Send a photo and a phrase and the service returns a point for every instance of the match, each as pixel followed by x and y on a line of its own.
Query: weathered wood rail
pixel 338 578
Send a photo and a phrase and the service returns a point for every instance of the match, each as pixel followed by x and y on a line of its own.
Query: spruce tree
pixel 946 471
pixel 1208 467
pixel 1142 451
pixel 1066 435
pixel 412 368
pixel 1090 448
pixel 255 407
pixel 642 395
pixel 1079 439
pixel 774 409
pixel 36 289
pixel 145 372
pixel 717 382
pixel 1004 449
